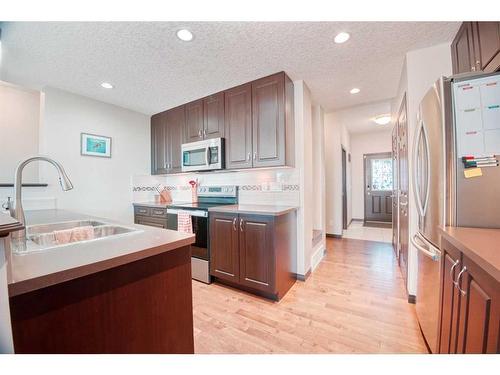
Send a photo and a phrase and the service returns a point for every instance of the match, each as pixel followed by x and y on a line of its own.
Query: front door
pixel 378 187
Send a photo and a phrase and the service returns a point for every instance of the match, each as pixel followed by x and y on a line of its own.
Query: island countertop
pixel 36 270
pixel 254 209
pixel 479 244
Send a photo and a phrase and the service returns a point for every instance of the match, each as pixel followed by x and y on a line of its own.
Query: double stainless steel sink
pixel 42 236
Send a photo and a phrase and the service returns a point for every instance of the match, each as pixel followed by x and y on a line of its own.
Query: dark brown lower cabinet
pixel 470 306
pixel 225 255
pixel 141 307
pixel 478 326
pixel 253 252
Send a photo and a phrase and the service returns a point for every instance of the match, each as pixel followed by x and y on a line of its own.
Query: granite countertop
pixel 479 245
pixel 36 270
pixel 254 209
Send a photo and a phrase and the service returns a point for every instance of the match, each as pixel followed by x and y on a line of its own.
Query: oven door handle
pixel 196 213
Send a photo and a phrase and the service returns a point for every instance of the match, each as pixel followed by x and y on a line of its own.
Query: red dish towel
pixel 184 223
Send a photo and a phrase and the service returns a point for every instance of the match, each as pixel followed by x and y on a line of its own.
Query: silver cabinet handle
pixel 199 133
pixel 241 225
pixel 249 155
pixel 254 155
pixel 204 132
pixel 234 224
pixel 463 292
pixel 451 271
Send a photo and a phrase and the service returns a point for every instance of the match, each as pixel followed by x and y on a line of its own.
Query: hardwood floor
pixel 354 302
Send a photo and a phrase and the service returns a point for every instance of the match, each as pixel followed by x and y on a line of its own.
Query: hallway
pixel 354 302
pixel 358 231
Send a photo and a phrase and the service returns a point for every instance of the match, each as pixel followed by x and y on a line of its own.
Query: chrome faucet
pixel 17 211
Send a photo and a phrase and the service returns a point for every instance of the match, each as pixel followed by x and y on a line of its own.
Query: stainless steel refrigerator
pixel 459 116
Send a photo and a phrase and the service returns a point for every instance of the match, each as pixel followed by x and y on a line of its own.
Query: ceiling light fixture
pixel 341 38
pixel 106 85
pixel 185 35
pixel 355 90
pixel 382 119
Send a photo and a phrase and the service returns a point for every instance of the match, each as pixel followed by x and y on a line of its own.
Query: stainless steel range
pixel 208 196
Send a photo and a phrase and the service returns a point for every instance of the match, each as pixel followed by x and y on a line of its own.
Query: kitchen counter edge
pixel 266 210
pixel 478 244
pixel 149 242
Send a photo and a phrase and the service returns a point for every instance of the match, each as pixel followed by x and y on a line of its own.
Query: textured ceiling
pixel 152 70
pixel 359 119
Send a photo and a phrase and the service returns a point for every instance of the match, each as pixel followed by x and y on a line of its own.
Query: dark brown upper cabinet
pixel 462 48
pixel 488 42
pixel 259 123
pixel 194 121
pixel 176 123
pixel 255 119
pixel 238 126
pixel 476 47
pixel 205 118
pixel 269 120
pixel 158 144
pixel 213 116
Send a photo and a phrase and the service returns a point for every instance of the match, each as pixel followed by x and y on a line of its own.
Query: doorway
pixel 344 189
pixel 378 187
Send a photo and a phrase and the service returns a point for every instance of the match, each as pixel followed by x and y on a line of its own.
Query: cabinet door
pixel 488 43
pixel 224 248
pixel 479 311
pixel 462 49
pixel 257 258
pixel 194 121
pixel 451 264
pixel 268 121
pixel 213 116
pixel 238 126
pixel 158 144
pixel 176 122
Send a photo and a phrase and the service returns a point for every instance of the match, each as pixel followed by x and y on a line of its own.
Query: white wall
pixel 101 185
pixel 422 68
pixel 303 161
pixel 318 154
pixel 365 143
pixel 19 124
pixel 336 137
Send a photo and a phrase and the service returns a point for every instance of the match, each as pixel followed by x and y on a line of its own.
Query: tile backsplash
pixel 263 186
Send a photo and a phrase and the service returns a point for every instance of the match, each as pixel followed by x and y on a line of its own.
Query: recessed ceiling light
pixel 106 85
pixel 382 119
pixel 341 38
pixel 355 90
pixel 185 35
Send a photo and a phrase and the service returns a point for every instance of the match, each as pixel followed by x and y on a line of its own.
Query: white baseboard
pixel 318 254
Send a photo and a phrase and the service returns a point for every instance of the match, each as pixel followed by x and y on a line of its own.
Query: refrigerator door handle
pixel 427 151
pixel 418 201
pixel 433 253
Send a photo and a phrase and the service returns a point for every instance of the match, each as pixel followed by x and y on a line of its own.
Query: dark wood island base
pixel 140 307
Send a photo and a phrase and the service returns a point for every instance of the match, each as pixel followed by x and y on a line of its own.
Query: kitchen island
pixel 126 293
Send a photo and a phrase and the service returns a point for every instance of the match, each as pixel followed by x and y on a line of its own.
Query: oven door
pixel 203 155
pixel 199 221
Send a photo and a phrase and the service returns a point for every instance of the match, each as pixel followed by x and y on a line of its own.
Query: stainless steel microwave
pixel 206 155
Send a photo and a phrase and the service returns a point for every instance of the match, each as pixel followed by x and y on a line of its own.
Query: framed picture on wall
pixel 95 145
